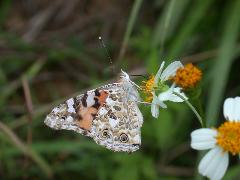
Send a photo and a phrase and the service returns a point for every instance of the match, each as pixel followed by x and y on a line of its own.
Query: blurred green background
pixel 49 51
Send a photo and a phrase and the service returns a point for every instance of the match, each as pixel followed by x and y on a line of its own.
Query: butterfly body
pixel 108 114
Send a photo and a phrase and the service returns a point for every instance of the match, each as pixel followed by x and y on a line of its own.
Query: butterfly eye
pixel 105 133
pixel 124 138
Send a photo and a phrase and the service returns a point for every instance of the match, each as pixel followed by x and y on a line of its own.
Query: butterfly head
pixel 124 76
pixel 130 87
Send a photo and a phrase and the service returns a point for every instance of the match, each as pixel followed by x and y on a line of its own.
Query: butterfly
pixel 108 114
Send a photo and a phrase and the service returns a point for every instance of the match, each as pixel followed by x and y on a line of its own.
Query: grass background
pixel 49 51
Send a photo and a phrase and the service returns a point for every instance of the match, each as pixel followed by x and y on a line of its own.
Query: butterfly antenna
pixel 107 52
pixel 138 75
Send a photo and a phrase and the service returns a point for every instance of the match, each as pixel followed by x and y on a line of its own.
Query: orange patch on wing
pixel 87 114
pixel 102 98
pixel 86 117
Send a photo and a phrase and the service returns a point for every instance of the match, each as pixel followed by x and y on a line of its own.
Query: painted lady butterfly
pixel 108 114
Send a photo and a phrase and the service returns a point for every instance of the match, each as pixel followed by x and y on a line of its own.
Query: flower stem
pixel 191 107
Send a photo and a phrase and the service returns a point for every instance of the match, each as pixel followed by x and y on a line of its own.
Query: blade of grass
pixel 166 24
pixel 197 12
pixel 223 63
pixel 177 10
pixel 131 22
pixel 27 151
pixel 153 58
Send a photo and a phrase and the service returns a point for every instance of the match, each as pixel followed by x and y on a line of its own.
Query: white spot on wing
pixel 55 110
pixel 69 119
pixel 137 139
pixel 113 122
pixel 90 100
pixel 110 102
pixel 70 104
pixel 102 111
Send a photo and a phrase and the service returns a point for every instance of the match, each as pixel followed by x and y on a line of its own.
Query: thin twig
pixel 191 107
pixel 26 150
pixel 29 106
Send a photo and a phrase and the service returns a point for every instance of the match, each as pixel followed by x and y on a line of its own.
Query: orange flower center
pixel 148 87
pixel 229 137
pixel 188 76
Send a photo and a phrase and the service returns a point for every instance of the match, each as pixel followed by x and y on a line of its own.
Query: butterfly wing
pixel 106 114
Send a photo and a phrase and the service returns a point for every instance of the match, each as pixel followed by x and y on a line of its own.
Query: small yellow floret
pixel 148 87
pixel 229 137
pixel 188 76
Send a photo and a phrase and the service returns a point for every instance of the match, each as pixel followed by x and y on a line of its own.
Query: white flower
pixel 214 164
pixel 166 93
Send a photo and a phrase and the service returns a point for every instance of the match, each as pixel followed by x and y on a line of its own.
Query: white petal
pixel 179 91
pixel 156 79
pixel 169 96
pixel 165 96
pixel 214 164
pixel 155 110
pixel 170 70
pixel 156 104
pixel 231 109
pixel 203 138
pixel 155 107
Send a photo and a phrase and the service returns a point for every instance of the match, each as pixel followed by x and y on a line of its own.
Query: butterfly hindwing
pixel 118 123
